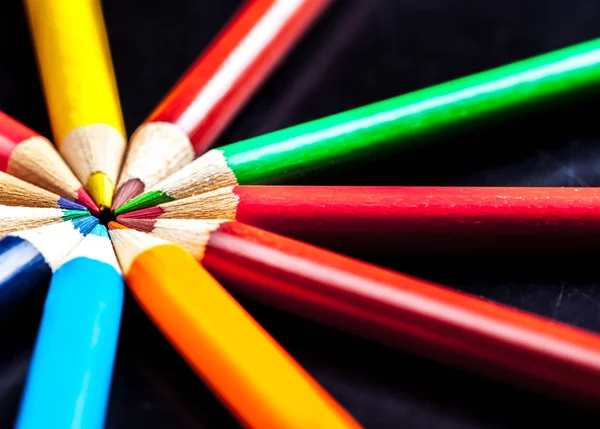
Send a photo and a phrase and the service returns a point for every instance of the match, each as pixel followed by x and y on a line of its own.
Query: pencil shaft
pixel 71 368
pixel 426 218
pixel 76 67
pixel 22 270
pixel 429 112
pixel 240 58
pixel 260 383
pixel 408 313
pixel 281 155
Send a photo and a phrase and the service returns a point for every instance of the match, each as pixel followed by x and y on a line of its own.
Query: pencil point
pixel 149 199
pixel 128 190
pixel 144 225
pixel 84 198
pixel 99 230
pixel 84 224
pixel 112 225
pixel 74 214
pixel 63 203
pixel 149 213
pixel 101 189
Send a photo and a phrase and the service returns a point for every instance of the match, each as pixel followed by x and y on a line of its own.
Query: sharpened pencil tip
pixel 101 189
pixel 149 213
pixel 85 224
pixel 148 199
pixel 99 230
pixel 130 189
pixel 144 225
pixel 84 198
pixel 63 203
pixel 74 214
pixel 112 225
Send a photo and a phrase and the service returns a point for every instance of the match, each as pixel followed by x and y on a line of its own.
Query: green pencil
pixel 272 157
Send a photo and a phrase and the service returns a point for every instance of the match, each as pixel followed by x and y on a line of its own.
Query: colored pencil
pixel 260 383
pixel 16 192
pixel 29 257
pixel 20 218
pixel 30 157
pixel 405 218
pixel 73 56
pixel 411 314
pixel 375 128
pixel 69 377
pixel 197 109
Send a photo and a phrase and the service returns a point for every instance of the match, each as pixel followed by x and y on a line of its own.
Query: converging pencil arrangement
pixel 171 219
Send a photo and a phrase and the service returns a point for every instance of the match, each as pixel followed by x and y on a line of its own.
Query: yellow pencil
pixel 80 89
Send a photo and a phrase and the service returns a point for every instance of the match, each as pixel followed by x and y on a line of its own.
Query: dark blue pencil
pixel 29 257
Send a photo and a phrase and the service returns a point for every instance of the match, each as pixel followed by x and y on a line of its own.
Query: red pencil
pixel 30 157
pixel 384 218
pixel 192 115
pixel 440 323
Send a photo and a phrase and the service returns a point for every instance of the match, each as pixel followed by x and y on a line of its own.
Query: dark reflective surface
pixel 362 51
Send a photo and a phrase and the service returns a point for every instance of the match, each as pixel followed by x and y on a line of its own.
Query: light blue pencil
pixel 68 381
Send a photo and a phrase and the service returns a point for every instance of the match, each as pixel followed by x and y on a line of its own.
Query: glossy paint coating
pixel 425 218
pixel 241 57
pixel 70 373
pixel 12 132
pixel 430 112
pixel 22 270
pixel 260 383
pixel 73 56
pixel 408 313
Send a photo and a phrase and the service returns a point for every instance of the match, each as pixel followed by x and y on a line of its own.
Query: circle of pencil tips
pixel 183 226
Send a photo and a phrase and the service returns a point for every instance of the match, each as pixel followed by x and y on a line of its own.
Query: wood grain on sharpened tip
pixel 30 157
pixel 253 376
pixel 16 192
pixel 207 97
pixel 69 377
pixel 397 122
pixel 29 257
pixel 382 305
pixel 74 59
pixel 406 218
pixel 15 218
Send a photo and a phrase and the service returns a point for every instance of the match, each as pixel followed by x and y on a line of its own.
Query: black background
pixel 360 52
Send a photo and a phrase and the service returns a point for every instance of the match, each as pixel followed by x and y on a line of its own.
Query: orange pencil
pixel 260 383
